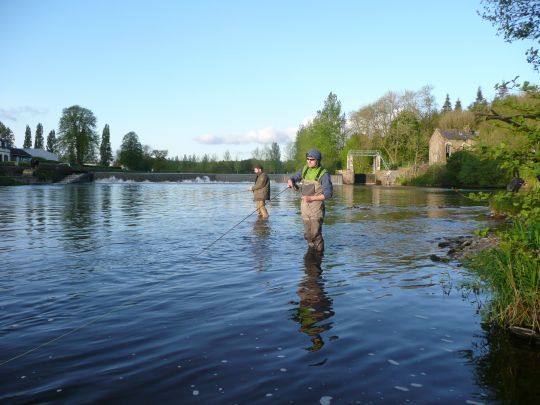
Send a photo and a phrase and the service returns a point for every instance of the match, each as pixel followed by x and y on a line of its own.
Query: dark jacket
pixel 261 189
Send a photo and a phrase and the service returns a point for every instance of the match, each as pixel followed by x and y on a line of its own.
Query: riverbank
pixel 508 264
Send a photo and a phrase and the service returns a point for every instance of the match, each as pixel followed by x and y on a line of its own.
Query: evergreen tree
pixel 105 147
pixel 447 106
pixel 7 134
pixel 27 138
pixel 457 107
pixel 51 141
pixel 480 104
pixel 38 140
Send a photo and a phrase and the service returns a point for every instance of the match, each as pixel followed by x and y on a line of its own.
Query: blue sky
pixel 197 77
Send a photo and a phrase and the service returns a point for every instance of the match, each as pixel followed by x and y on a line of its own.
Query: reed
pixel 512 273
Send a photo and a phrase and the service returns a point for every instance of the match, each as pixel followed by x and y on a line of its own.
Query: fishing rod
pixel 234 226
pixel 121 306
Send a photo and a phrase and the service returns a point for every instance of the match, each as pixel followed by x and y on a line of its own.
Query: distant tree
pixel 227 156
pixel 447 106
pixel 78 140
pixel 462 120
pixel 7 134
pixel 105 151
pixel 159 160
pixel 480 104
pixel 274 158
pixel 131 151
pixel 516 20
pixel 27 138
pixel 51 141
pixel 38 140
pixel 457 106
pixel 326 132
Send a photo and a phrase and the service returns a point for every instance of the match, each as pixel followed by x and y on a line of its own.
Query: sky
pixel 210 76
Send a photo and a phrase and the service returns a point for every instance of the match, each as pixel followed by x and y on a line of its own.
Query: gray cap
pixel 314 153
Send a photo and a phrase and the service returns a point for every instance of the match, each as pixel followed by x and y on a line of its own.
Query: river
pixel 172 292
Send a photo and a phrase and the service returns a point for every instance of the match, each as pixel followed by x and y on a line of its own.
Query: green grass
pixel 512 273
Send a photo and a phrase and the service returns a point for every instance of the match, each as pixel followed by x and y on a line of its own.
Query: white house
pixel 4 151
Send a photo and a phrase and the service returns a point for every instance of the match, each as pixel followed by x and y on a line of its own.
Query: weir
pixel 216 177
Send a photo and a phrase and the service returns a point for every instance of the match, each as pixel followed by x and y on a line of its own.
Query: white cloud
pixel 260 136
pixel 14 114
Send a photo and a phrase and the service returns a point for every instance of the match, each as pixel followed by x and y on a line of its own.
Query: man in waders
pixel 316 187
pixel 261 191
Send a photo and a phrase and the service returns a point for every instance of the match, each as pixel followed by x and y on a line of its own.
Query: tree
pixel 372 124
pixel 51 141
pixel 326 132
pixel 447 106
pixel 7 134
pixel 457 106
pixel 274 158
pixel 480 104
pixel 131 151
pixel 38 140
pixel 78 140
pixel 462 120
pixel 105 151
pixel 516 20
pixel 27 138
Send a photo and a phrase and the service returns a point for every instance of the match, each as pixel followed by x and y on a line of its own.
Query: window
pixel 448 149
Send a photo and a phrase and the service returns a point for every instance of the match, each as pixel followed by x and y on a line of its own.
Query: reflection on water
pixel 315 307
pixel 218 327
pixel 507 366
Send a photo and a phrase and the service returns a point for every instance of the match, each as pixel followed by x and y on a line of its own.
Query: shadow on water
pixel 507 367
pixel 315 306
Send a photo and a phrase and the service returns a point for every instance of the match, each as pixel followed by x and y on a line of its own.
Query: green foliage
pixel 464 169
pixel 131 152
pixel 105 151
pixel 326 133
pixel 51 141
pixel 516 20
pixel 512 272
pixel 77 141
pixel 27 138
pixel 469 169
pixel 447 106
pixel 7 134
pixel 38 140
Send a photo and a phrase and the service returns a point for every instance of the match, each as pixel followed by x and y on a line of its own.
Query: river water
pixel 142 292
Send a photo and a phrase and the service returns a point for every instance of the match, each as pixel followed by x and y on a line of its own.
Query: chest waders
pixel 313 212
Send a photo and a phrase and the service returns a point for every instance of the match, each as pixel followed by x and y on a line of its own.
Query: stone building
pixel 444 142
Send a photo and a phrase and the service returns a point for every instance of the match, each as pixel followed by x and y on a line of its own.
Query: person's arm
pixel 261 182
pixel 295 178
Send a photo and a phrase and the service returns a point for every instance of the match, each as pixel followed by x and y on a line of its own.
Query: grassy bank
pixel 512 273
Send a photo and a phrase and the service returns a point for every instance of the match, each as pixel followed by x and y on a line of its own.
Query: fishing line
pixel 121 306
pixel 222 236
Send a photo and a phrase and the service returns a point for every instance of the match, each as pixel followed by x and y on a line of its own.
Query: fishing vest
pixel 311 185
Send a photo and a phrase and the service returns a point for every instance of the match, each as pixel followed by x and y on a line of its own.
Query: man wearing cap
pixel 261 191
pixel 316 188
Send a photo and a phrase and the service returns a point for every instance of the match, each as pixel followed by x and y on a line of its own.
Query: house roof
pixel 20 153
pixel 456 135
pixel 41 153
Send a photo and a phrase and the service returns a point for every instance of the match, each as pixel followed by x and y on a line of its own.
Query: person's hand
pixel 290 183
pixel 307 198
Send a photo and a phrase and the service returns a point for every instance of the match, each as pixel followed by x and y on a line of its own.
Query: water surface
pixel 120 292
